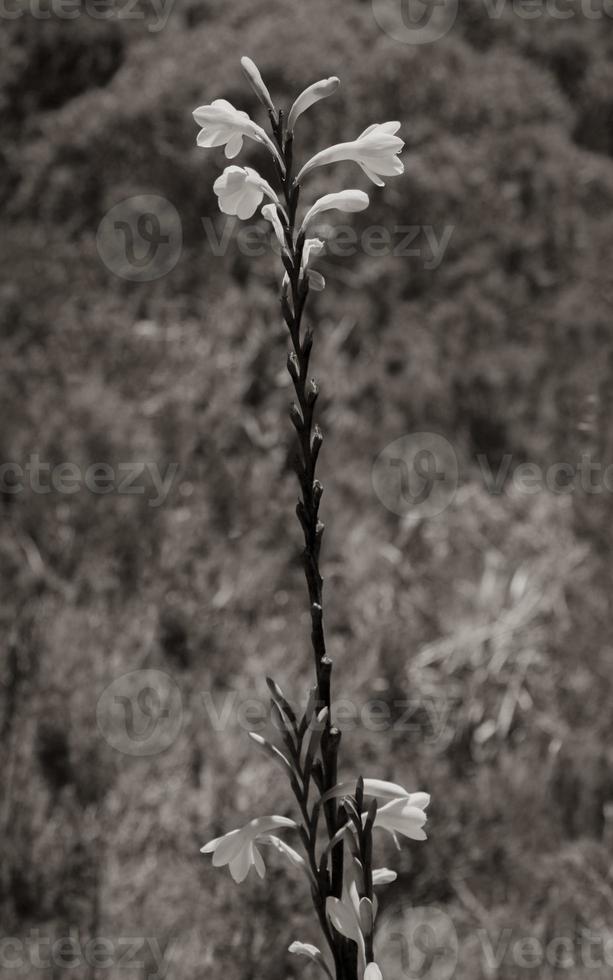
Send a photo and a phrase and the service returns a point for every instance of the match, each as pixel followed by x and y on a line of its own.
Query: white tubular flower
pixel 314 93
pixel 381 789
pixel 404 817
pixel 349 201
pixel 223 125
pixel 345 920
pixel 351 916
pixel 269 211
pixel 373 972
pixel 375 150
pixel 238 848
pixel 316 281
pixel 312 953
pixel 240 191
pixel 312 246
pixel 383 876
pixel 257 83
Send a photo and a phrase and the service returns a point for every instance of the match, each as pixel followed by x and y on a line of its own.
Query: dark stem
pixel 309 439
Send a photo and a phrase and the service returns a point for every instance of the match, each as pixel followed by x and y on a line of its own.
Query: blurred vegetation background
pixel 496 612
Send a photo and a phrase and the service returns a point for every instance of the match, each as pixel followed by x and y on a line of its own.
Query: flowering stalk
pixel 310 438
pixel 338 861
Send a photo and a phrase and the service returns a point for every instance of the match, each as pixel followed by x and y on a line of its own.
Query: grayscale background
pixel 149 554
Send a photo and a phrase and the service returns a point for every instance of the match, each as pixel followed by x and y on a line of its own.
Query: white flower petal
pixel 371 175
pixel 373 972
pixel 312 953
pixel 227 848
pixel 342 919
pixel 375 149
pixel 383 876
pixel 240 865
pixel 380 788
pixel 210 137
pixel 420 800
pixel 256 81
pixel 269 211
pixel 348 201
pixel 258 861
pixel 314 93
pixel 304 949
pixel 234 146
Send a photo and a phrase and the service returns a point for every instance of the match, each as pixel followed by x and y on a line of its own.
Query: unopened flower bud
pixel 292 366
pixel 312 391
pixel 256 81
pixel 314 93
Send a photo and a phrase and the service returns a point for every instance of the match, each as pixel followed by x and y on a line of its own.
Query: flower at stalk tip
pixel 375 150
pixel 257 83
pixel 314 93
pixel 240 191
pixel 238 849
pixel 349 201
pixel 373 972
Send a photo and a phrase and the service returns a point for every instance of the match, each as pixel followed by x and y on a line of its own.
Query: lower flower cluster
pixel 391 808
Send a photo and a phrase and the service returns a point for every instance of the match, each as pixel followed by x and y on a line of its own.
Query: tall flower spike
pixel 257 83
pixel 314 93
pixel 375 150
pixel 337 860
